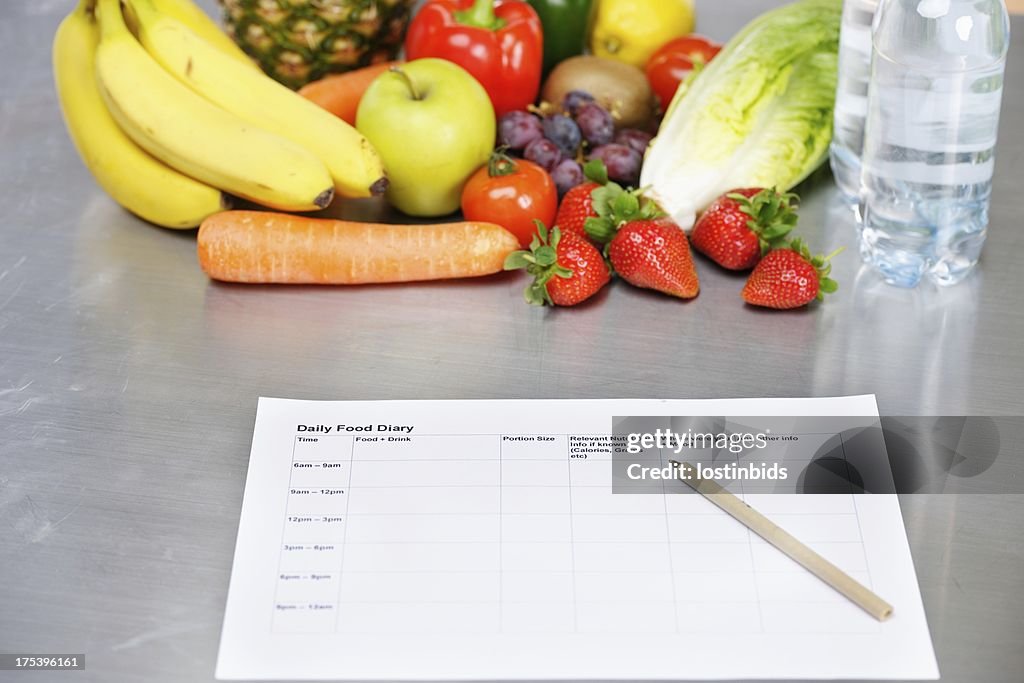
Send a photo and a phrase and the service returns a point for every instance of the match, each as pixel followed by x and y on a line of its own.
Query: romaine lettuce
pixel 759 115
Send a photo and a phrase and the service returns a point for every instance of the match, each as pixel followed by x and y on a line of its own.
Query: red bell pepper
pixel 499 42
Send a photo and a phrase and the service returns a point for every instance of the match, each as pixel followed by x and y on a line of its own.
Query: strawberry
pixel 567 269
pixel 575 209
pixel 578 204
pixel 647 249
pixel 790 278
pixel 743 225
pixel 654 254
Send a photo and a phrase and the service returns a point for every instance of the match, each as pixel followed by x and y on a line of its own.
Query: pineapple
pixel 298 41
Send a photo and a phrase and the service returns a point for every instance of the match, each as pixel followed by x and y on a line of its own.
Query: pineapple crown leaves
pixel 614 205
pixel 822 264
pixel 540 261
pixel 772 216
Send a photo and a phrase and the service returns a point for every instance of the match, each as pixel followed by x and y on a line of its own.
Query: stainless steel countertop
pixel 128 386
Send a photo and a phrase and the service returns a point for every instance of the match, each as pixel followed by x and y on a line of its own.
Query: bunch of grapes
pixel 581 130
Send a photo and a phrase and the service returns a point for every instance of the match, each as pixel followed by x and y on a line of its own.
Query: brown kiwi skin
pixel 620 88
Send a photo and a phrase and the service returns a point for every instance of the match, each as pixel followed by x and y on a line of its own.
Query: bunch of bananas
pixel 172 118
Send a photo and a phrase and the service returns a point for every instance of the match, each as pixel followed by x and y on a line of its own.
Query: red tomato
pixel 674 61
pixel 512 193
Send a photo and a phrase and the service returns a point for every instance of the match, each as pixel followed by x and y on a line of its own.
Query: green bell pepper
pixel 566 26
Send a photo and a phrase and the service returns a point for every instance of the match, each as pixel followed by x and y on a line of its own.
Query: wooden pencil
pixel 786 542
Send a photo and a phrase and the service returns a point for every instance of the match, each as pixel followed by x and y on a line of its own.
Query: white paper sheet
pixel 451 552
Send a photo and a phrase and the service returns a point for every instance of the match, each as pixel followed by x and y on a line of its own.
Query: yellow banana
pixel 134 179
pixel 354 164
pixel 195 136
pixel 188 13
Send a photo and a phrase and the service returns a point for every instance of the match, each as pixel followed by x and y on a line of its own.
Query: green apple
pixel 433 125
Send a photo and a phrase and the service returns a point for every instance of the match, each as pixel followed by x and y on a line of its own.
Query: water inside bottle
pixel 852 95
pixel 927 168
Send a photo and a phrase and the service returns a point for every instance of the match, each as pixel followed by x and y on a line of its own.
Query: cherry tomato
pixel 674 61
pixel 512 193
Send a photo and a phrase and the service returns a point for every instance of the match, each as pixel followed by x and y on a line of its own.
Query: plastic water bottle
pixel 930 136
pixel 852 95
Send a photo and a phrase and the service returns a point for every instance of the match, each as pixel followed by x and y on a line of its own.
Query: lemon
pixel 631 30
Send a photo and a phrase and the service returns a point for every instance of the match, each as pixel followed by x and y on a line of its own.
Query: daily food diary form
pixel 475 540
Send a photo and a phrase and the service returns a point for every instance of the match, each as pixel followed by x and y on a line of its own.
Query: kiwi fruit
pixel 620 88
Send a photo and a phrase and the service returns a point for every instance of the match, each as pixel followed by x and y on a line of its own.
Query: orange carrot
pixel 340 93
pixel 262 247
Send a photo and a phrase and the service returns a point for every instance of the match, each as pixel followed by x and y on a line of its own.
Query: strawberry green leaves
pixel 614 207
pixel 596 172
pixel 566 269
pixel 822 264
pixel 772 216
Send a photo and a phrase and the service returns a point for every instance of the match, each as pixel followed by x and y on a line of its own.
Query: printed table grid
pixel 317 583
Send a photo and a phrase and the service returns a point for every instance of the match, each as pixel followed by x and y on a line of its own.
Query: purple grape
pixel 595 123
pixel 623 163
pixel 544 153
pixel 517 129
pixel 563 131
pixel 574 99
pixel 636 140
pixel 567 175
